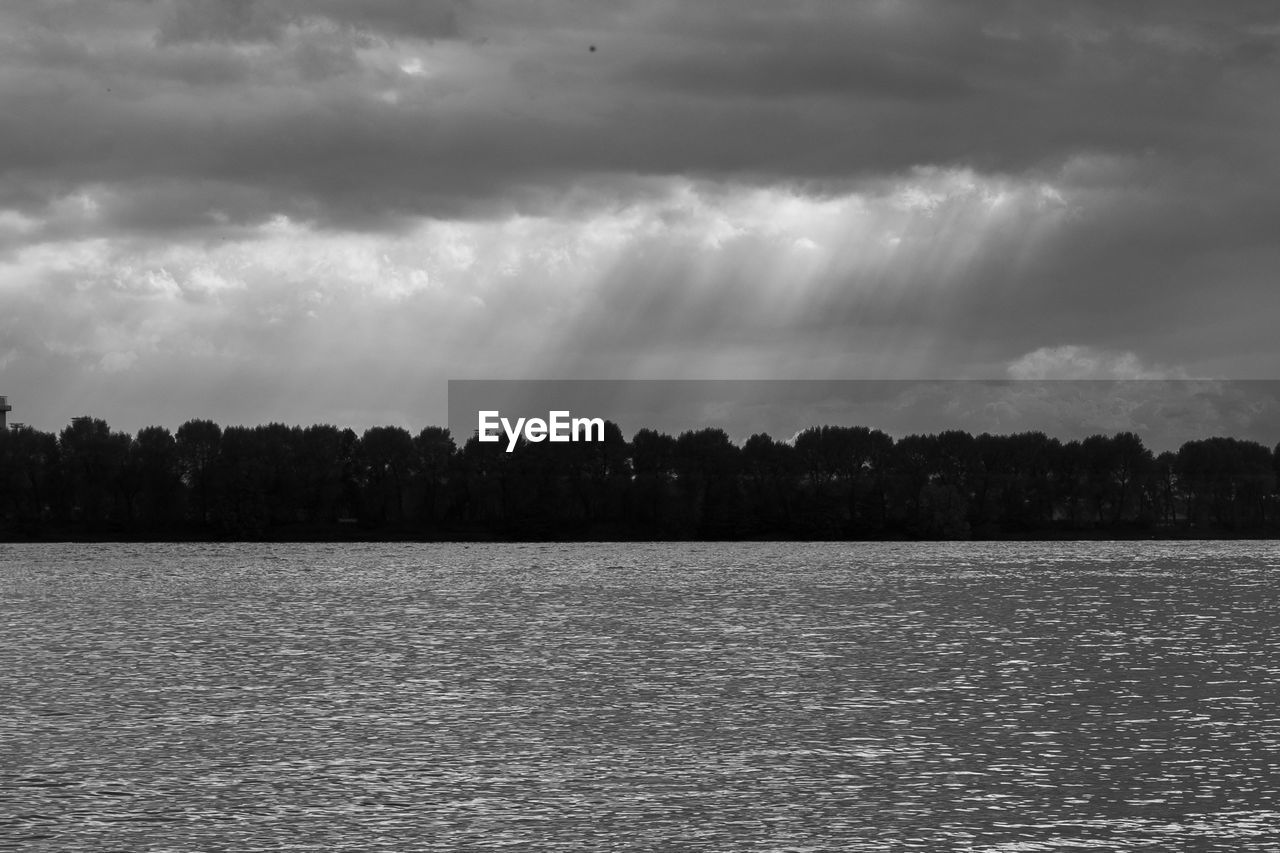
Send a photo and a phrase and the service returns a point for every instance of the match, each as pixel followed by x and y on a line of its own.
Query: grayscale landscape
pixel 932 343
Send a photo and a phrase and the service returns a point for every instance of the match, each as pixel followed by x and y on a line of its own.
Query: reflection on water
pixel 781 697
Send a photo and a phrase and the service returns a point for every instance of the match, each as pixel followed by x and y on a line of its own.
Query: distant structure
pixel 5 409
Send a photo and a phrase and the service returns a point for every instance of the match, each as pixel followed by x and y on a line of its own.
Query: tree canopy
pixel 829 482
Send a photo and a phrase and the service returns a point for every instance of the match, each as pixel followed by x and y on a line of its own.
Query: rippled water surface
pixel 726 697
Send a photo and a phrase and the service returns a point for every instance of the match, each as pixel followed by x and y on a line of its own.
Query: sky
pixel 319 211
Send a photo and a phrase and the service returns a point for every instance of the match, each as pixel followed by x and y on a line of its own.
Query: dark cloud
pixel 222 20
pixel 722 186
pixel 265 20
pixel 760 92
pixel 393 18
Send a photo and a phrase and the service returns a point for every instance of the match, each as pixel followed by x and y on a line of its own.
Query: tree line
pixel 831 482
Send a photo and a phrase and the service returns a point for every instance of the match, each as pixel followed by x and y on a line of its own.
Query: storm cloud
pixel 302 211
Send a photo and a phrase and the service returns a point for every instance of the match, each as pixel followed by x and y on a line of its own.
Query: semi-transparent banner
pixel 1164 413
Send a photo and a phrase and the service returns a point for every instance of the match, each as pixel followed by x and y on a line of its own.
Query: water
pixel 780 697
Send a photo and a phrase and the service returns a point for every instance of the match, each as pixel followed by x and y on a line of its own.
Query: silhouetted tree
pixel 30 475
pixel 769 472
pixel 326 466
pixel 934 483
pixel 483 473
pixel 434 451
pixel 706 463
pixel 598 475
pixel 1164 488
pixel 830 482
pixel 388 457
pixel 239 505
pixel 93 464
pixel 1072 480
pixel 153 461
pixel 653 460
pixel 1225 482
pixel 197 443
